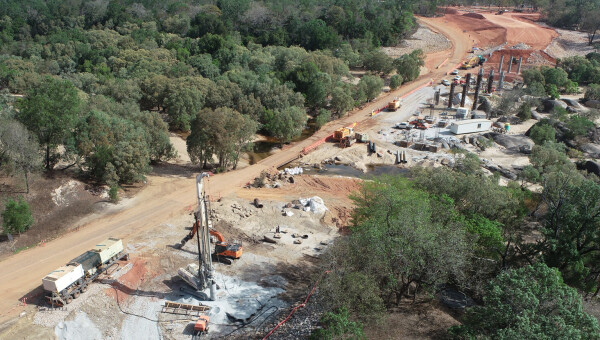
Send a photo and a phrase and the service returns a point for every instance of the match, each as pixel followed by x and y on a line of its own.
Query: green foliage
pixel 395 81
pixel 489 240
pixel 494 202
pixel 570 227
pixel 341 100
pixel 118 150
pixel 552 91
pixel 469 164
pixel 528 303
pixel 183 101
pixel 322 118
pixel 377 61
pixel 536 89
pixel 17 216
pixel 285 124
pixel 223 132
pixel 316 35
pixel 524 113
pixel 371 86
pixel 338 324
pixel 592 92
pixel 113 194
pixel 408 65
pixel 549 157
pixel 579 126
pixel 394 223
pixel 542 132
pixel 50 111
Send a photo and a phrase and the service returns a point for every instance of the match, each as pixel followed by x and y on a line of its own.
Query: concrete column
pixel 477 86
pixel 519 65
pixel 501 62
pixel 468 81
pixel 510 62
pixel 490 81
pixel 451 95
pixel 501 81
pixel 463 95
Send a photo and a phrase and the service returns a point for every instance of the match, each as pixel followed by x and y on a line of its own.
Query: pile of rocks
pixel 521 46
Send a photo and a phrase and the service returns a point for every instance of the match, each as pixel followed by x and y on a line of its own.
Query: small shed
pixel 470 126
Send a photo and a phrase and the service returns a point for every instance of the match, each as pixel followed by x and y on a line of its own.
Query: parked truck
pixel 394 105
pixel 342 133
pixel 68 282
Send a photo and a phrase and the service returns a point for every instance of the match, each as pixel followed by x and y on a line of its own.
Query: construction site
pixel 234 255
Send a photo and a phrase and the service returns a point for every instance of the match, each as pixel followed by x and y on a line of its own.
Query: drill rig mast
pixel 201 276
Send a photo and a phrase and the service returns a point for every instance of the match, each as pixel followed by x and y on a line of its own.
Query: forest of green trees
pixel 103 82
pixel 98 86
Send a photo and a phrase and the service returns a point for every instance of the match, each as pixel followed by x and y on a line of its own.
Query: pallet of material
pixel 183 308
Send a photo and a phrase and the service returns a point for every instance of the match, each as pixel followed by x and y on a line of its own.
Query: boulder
pixel 571 109
pixel 572 102
pixel 594 104
pixel 517 143
pixel 590 166
pixel 591 149
pixel 503 171
pixel 549 104
pixel 536 115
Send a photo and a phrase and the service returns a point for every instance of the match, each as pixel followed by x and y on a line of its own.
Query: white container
pixel 62 278
pixel 470 126
pixel 108 248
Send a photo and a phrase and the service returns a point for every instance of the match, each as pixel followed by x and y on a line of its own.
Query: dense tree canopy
pixel 528 303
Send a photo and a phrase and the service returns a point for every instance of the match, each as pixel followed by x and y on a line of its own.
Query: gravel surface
pixel 569 44
pixel 423 38
pixel 521 46
pixel 81 328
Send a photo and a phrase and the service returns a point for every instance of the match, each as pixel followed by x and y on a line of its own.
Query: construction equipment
pixel 361 137
pixel 420 123
pixel 201 276
pixel 201 326
pixel 68 282
pixel 223 250
pixel 347 141
pixel 473 62
pixel 339 134
pixel 393 105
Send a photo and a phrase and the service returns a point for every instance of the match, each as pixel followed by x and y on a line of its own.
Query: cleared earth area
pixel 274 274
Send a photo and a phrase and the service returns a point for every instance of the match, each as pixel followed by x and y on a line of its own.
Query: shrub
pixel 17 216
pixel 395 81
pixel 338 325
pixel 542 132
pixel 524 112
pixel 113 194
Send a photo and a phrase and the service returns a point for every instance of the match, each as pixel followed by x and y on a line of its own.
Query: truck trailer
pixel 68 282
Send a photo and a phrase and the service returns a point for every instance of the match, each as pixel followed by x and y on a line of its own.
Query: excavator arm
pixel 218 235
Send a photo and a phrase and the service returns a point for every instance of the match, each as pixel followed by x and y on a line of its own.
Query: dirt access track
pixel 166 197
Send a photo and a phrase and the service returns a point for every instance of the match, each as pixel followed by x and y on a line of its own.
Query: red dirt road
pixel 166 197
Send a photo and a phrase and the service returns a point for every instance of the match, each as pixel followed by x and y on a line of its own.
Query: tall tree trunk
pixel 591 37
pixel 47 156
pixel 27 180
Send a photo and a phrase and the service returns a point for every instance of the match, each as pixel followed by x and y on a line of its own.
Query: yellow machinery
pixel 340 134
pixel 473 62
pixel 393 105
